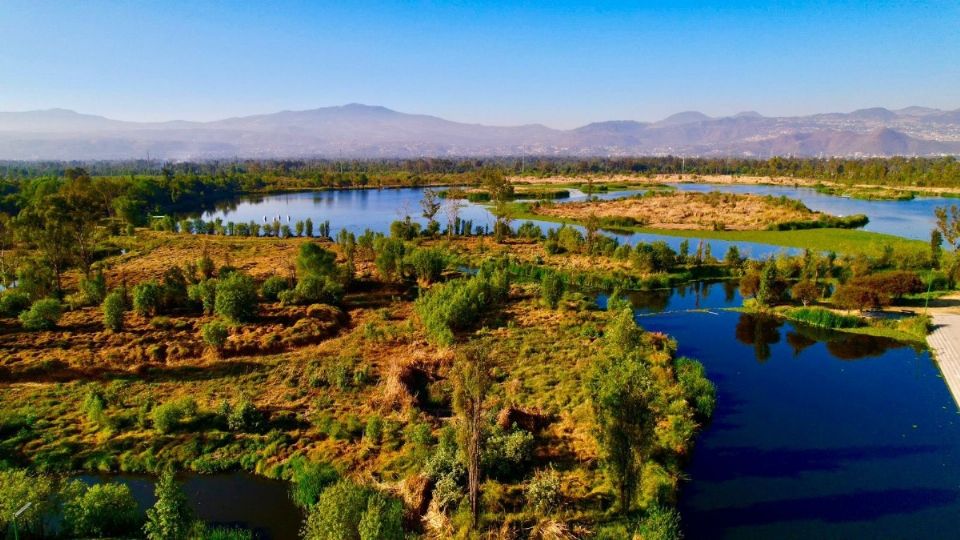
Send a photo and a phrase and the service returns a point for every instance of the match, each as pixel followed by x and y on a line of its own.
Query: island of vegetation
pixel 698 211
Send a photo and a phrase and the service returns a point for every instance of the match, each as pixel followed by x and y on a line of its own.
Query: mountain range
pixel 364 131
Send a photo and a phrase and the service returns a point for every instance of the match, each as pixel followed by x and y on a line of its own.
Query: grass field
pixel 841 241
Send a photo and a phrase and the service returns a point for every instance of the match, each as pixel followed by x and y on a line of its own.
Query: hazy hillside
pixel 368 131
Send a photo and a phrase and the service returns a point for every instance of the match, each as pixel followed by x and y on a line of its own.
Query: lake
pixel 816 434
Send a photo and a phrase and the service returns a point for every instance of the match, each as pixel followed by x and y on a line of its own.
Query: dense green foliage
pixel 236 298
pixel 456 305
pixel 100 510
pixel 114 306
pixel 171 517
pixel 42 315
pixel 349 511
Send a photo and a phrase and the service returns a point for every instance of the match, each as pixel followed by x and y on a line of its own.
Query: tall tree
pixel 170 518
pixel 620 388
pixel 948 222
pixel 471 386
pixel 430 204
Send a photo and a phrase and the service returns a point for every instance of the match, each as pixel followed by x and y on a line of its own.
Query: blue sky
pixel 558 63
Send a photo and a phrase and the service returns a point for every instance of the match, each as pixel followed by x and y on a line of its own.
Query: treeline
pixel 281 174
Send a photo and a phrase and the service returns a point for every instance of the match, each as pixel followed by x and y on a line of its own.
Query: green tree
pixel 620 389
pixel 471 384
pixel 551 289
pixel 236 298
pixel 171 517
pixel 430 204
pixel 936 248
pixel 147 298
pixel 948 223
pixel 309 479
pixel 42 315
pixel 17 488
pixel 114 306
pixel 100 510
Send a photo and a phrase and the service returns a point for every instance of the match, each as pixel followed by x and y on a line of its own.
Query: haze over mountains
pixel 365 131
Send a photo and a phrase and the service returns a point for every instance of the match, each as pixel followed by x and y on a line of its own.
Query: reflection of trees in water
pixel 650 300
pixel 730 290
pixel 847 346
pixel 798 342
pixel 761 331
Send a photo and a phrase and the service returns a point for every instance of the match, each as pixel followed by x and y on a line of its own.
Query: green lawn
pixel 841 241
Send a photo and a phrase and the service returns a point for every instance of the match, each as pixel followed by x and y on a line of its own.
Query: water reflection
pixel 759 331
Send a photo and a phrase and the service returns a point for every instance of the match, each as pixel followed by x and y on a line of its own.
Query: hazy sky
pixel 558 63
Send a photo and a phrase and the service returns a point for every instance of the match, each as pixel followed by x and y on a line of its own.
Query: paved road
pixel 945 343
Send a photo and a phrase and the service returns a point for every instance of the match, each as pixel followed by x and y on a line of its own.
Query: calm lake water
pixel 356 210
pixel 816 434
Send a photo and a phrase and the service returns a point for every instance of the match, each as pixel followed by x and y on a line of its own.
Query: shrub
pixel 427 264
pixel 313 289
pixel 13 303
pixel 114 306
pixel 543 492
pixel 382 520
pixel 204 293
pixel 313 259
pixel 697 388
pixel 245 417
pixel 94 289
pixel 551 289
pixel 508 453
pixel 660 524
pixel 168 416
pixel 101 510
pixel 857 297
pixel 170 518
pixel 273 286
pixel 374 430
pixel 348 511
pixel 236 298
pixel 389 257
pixel 42 315
pixel 147 298
pixel 309 479
pixel 805 292
pixel 456 305
pixel 215 334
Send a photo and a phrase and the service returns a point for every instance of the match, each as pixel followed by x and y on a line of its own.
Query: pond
pixel 816 434
pixel 236 499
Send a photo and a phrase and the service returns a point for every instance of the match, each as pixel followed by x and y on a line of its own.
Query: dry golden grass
pixel 690 211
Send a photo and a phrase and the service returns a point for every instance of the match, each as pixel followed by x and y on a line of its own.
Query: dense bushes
pixel 457 304
pixel 427 264
pixel 215 334
pixel 147 298
pixel 552 289
pixel 697 388
pixel 13 303
pixel 170 415
pixel 236 298
pixel 100 510
pixel 824 222
pixel 42 315
pixel 308 480
pixel 272 287
pixel 349 511
pixel 114 306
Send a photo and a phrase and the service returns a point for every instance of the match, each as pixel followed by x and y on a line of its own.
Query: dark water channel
pixel 816 434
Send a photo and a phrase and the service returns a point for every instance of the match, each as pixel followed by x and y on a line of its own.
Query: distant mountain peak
pixel 685 117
